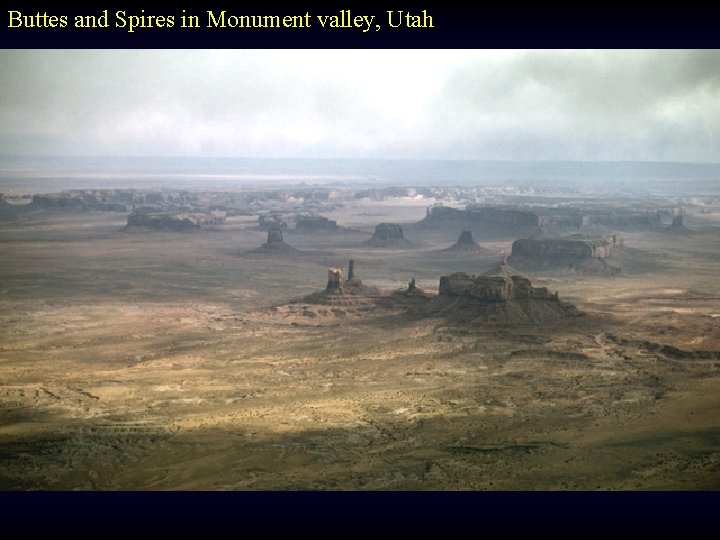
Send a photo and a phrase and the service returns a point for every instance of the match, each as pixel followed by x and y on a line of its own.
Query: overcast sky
pixel 509 105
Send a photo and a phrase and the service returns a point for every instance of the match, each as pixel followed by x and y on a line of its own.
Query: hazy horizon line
pixel 286 158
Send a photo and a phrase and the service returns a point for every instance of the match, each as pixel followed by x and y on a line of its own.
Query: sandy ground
pixel 151 361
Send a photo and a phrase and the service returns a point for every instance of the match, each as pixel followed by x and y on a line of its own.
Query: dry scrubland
pixel 156 361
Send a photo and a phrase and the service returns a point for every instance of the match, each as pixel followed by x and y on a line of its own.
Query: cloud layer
pixel 516 105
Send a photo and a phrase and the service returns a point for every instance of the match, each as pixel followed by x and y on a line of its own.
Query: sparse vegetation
pixel 160 360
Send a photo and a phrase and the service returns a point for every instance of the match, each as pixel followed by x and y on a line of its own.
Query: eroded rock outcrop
pixel 622 219
pixel 677 226
pixel 466 244
pixel 335 281
pixel 487 220
pixel 344 292
pixel 579 254
pixel 502 268
pixel 165 222
pixel 388 235
pixel 491 289
pixel 103 201
pixel 149 217
pixel 497 299
pixel 462 298
pixel 354 285
pixel 275 243
pixel 315 225
pixel 8 212
pixel 271 221
pixel 409 298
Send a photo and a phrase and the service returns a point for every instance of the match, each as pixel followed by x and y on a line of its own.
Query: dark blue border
pixel 482 25
pixel 536 25
pixel 268 512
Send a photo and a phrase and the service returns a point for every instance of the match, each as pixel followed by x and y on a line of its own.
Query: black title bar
pixel 352 25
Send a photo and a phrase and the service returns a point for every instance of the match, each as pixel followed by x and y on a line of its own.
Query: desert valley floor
pixel 168 360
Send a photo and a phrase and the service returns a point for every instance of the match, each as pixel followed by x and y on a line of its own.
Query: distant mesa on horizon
pixel 312 224
pixel 388 235
pixel 579 254
pixel 79 172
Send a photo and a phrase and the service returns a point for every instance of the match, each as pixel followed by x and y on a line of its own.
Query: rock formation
pixel 165 222
pixel 524 221
pixel 275 243
pixel 409 298
pixel 388 235
pixel 466 245
pixel 488 220
pixel 275 236
pixel 146 217
pixel 580 254
pixel 502 268
pixel 462 298
pixel 677 226
pixel 8 212
pixel 354 285
pixel 315 225
pixel 216 217
pixel 78 200
pixel 343 292
pixel 491 289
pixel 335 281
pixel 496 299
pixel 271 221
pixel 621 219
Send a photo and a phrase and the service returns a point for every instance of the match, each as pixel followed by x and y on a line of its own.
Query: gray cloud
pixel 662 105
pixel 616 105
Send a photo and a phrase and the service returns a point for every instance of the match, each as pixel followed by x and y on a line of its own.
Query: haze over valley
pixel 438 270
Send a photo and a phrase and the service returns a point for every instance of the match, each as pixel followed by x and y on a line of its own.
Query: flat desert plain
pixel 164 361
